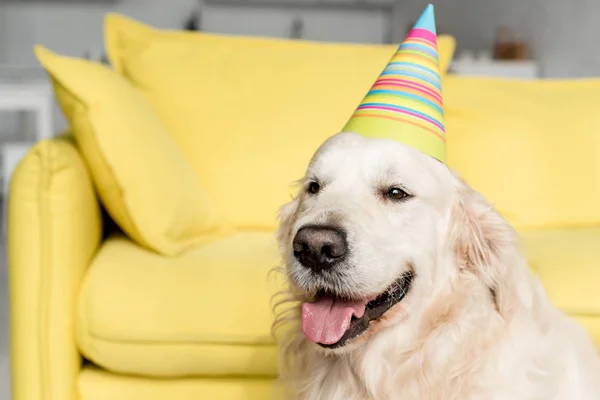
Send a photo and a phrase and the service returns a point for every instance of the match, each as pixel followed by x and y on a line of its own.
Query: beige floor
pixel 4 378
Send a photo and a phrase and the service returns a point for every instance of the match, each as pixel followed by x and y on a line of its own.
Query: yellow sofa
pixel 111 298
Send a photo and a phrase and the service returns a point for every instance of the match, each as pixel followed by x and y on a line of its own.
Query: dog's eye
pixel 314 187
pixel 396 193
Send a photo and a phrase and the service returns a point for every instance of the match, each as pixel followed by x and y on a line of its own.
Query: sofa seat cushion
pixel 568 263
pixel 204 312
pixel 97 384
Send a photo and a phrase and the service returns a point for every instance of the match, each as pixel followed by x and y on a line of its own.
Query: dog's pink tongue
pixel 326 320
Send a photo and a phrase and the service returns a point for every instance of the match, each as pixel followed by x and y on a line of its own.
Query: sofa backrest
pixel 532 147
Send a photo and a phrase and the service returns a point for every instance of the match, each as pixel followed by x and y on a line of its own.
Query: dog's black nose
pixel 320 247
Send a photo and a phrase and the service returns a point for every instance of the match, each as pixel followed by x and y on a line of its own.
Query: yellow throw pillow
pixel 530 146
pixel 247 112
pixel 140 174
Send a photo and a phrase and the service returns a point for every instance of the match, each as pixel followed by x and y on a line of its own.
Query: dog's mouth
pixel 332 322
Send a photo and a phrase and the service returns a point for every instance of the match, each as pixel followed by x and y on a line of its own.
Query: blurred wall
pixel 75 29
pixel 321 23
pixel 563 34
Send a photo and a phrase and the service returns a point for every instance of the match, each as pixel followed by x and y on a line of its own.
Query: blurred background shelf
pixel 525 69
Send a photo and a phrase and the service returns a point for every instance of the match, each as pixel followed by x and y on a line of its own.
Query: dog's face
pixel 364 233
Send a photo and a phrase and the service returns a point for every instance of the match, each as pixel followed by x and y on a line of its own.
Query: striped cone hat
pixel 405 103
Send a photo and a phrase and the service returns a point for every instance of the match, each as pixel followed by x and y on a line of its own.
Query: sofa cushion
pixel 207 311
pixel 568 263
pixel 97 384
pixel 139 172
pixel 204 312
pixel 531 147
pixel 248 112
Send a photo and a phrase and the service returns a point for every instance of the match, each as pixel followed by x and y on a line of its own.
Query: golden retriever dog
pixel 405 283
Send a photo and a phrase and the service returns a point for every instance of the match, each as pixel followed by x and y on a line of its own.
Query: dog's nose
pixel 320 247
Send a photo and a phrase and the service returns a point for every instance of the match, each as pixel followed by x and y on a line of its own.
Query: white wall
pixel 75 29
pixel 351 25
pixel 562 33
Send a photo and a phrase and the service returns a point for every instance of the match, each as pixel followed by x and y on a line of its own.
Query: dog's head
pixel 377 231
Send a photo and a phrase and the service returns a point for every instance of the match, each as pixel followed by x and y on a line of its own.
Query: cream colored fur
pixel 475 325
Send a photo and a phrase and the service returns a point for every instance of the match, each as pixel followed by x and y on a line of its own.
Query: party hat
pixel 405 103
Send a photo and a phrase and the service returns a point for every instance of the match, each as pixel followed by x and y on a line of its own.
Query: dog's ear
pixel 485 244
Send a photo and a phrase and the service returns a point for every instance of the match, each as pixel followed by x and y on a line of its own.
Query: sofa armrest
pixel 54 230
